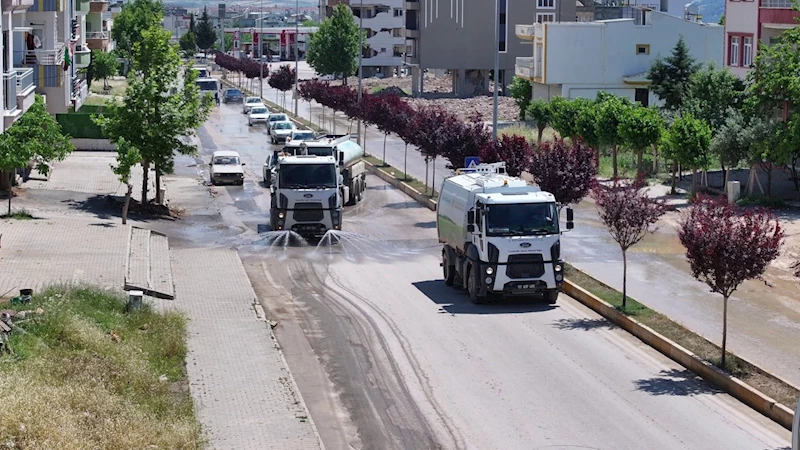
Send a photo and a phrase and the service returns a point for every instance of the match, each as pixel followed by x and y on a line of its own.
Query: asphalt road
pixel 764 320
pixel 387 357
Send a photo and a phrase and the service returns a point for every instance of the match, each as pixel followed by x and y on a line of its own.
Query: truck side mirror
pixel 470 217
pixel 570 218
pixel 341 158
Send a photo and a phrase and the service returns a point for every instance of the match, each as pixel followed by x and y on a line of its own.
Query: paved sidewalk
pixel 245 396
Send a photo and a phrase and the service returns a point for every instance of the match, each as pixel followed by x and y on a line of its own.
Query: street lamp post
pixel 496 65
pixel 260 50
pixel 296 58
pixel 360 55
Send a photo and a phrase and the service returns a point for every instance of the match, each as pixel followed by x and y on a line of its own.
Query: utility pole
pixel 360 55
pixel 296 57
pixel 260 51
pixel 496 65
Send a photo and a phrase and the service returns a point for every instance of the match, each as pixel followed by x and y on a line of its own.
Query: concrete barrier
pixel 732 385
pixel 101 145
pixel 418 196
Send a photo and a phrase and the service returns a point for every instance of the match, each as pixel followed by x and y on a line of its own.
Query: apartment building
pixel 749 22
pixel 384 45
pixel 591 10
pixel 580 59
pixel 18 81
pixel 459 36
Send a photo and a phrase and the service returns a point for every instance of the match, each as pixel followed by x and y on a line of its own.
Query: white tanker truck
pixel 309 189
pixel 500 235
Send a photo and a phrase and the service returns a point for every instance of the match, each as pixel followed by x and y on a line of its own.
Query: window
pixel 503 28
pixel 642 96
pixel 398 12
pixel 546 4
pixel 642 49
pixel 747 59
pixel 545 17
pixel 734 52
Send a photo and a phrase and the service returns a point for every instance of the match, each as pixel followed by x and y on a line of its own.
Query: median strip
pixel 753 386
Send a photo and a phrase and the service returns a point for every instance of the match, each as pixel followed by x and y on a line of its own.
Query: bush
pixel 80 125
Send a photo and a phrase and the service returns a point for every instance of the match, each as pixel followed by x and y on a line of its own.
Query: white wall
pixel 740 17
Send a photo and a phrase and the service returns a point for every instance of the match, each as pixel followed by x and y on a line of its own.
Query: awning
pixel 639 78
pixel 779 26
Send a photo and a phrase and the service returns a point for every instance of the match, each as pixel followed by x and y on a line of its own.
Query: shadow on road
pixel 431 224
pixel 402 205
pixel 678 382
pixel 583 324
pixel 106 207
pixel 457 302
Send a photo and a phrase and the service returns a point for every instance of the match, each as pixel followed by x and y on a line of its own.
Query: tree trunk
pixel 158 181
pixel 541 132
pixel 614 160
pixel 10 194
pixel 795 179
pixel 433 178
pixel 694 182
pixel 597 157
pixel 126 204
pixel 333 121
pixel 769 180
pixel 724 176
pixel 724 329
pixel 624 280
pixel 384 148
pixel 405 164
pixel 364 141
pixel 426 174
pixel 655 159
pixel 639 168
pixel 145 180
pixel 674 177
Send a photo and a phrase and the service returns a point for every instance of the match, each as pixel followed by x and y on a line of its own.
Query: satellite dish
pixel 692 8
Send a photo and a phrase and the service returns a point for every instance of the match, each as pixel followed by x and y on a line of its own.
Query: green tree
pixel 192 24
pixel 309 23
pixel 520 90
pixel 687 142
pixel 564 113
pixel 541 112
pixel 35 138
pixel 611 112
pixel 333 49
pixel 712 91
pixel 641 128
pixel 128 156
pixel 586 123
pixel 150 120
pixel 104 65
pixel 670 77
pixel 206 35
pixel 136 16
pixel 188 44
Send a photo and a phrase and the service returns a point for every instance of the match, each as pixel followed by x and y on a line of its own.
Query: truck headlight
pixel 489 271
pixel 281 215
pixel 558 267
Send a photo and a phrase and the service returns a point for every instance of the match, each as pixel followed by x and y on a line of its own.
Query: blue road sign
pixel 471 162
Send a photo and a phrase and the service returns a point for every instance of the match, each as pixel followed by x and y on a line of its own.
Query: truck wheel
pixel 359 193
pixel 448 269
pixel 472 288
pixel 351 198
pixel 551 296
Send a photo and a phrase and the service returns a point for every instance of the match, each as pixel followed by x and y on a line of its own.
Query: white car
pixel 276 117
pixel 257 114
pixel 226 167
pixel 252 102
pixel 301 135
pixel 280 131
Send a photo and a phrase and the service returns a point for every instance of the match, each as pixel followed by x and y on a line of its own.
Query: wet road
pixel 386 357
pixel 764 321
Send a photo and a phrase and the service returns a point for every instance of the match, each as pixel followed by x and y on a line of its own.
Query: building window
pixel 503 28
pixel 734 51
pixel 642 49
pixel 642 96
pixel 398 12
pixel 545 17
pixel 546 4
pixel 747 58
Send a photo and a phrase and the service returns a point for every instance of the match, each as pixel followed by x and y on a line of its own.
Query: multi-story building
pixel 459 36
pixel 18 90
pixel 591 10
pixel 749 22
pixel 383 25
pixel 580 59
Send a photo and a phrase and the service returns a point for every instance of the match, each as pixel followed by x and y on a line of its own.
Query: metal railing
pixel 784 4
pixel 10 91
pixel 53 57
pixel 526 61
pixel 522 71
pixel 525 30
pixel 96 35
pixel 24 79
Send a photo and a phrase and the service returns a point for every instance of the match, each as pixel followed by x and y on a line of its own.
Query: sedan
pixel 276 117
pixel 258 114
pixel 280 131
pixel 251 102
pixel 232 95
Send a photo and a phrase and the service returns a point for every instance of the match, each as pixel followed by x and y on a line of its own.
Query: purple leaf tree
pixel 282 80
pixel 726 246
pixel 566 171
pixel 629 214
pixel 513 150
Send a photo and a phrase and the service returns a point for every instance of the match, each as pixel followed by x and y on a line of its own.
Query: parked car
pixel 226 167
pixel 301 135
pixel 279 131
pixel 251 102
pixel 257 114
pixel 232 95
pixel 276 117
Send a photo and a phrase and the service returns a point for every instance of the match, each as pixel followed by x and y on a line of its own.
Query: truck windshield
pixel 207 85
pixel 307 176
pixel 522 219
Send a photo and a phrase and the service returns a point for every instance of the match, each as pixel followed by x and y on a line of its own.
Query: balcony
pixel 82 6
pixel 98 6
pixel 43 57
pixel 16 5
pixel 527 68
pixel 83 58
pixel 18 94
pixel 783 4
pixel 9 94
pixel 97 40
pixel 25 88
pixel 527 32
pixel 80 91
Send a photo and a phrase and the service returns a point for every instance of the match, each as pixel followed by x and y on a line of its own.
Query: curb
pixel 418 196
pixel 732 385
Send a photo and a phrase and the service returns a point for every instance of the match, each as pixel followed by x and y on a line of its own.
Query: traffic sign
pixel 236 35
pixel 471 162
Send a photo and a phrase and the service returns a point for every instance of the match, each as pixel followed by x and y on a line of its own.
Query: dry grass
pixel 117 85
pixel 764 382
pixel 85 375
pixel 530 134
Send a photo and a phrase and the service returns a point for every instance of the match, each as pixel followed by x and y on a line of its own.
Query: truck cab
pixel 501 236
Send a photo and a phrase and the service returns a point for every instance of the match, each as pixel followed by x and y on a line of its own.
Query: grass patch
pixel 117 87
pixel 764 382
pixel 96 100
pixel 530 134
pixel 411 181
pixel 763 201
pixel 18 215
pixel 85 374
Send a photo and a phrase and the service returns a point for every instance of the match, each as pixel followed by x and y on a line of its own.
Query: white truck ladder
pixel 485 169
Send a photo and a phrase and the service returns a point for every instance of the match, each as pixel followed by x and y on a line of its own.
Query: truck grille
pixel 308 212
pixel 525 266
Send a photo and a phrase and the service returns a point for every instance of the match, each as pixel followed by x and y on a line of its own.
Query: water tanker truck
pixel 501 235
pixel 309 187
